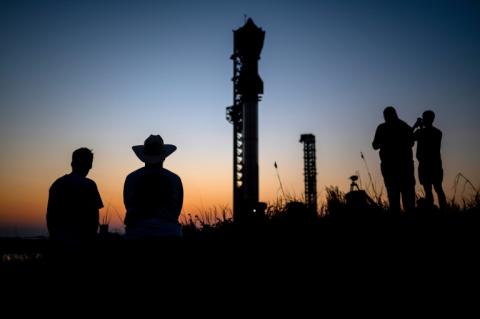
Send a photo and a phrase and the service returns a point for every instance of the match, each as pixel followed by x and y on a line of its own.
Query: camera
pixel 419 122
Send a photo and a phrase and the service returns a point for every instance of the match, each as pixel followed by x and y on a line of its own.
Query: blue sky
pixel 106 74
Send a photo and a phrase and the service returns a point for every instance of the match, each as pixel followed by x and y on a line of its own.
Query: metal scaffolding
pixel 243 114
pixel 310 170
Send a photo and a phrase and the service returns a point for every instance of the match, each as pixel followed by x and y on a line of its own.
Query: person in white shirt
pixel 153 195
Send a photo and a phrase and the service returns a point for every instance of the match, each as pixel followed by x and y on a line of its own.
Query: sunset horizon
pixel 107 75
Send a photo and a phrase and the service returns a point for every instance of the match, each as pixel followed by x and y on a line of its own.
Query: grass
pixel 338 207
pixel 339 234
pixel 346 253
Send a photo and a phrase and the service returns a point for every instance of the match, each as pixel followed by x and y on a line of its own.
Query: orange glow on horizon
pixel 207 187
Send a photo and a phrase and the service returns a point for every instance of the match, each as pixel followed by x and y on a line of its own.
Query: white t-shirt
pixel 153 198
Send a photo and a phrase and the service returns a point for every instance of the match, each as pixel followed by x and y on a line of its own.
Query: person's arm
pixel 52 210
pixel 440 135
pixel 415 128
pixel 416 135
pixel 98 198
pixel 94 208
pixel 410 135
pixel 376 144
pixel 178 197
pixel 127 200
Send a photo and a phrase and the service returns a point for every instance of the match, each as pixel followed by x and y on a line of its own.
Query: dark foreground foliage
pixel 352 251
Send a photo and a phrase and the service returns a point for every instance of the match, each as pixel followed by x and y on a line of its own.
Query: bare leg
pixel 393 198
pixel 408 199
pixel 428 194
pixel 442 200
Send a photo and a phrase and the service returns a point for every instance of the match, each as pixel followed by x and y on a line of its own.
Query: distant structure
pixel 243 114
pixel 310 170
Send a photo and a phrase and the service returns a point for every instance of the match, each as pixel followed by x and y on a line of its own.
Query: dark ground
pixel 430 259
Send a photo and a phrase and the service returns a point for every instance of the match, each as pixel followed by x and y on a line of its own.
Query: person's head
pixel 428 117
pixel 82 160
pixel 390 114
pixel 153 151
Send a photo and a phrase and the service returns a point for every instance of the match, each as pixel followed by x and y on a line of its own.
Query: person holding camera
pixel 394 139
pixel 430 171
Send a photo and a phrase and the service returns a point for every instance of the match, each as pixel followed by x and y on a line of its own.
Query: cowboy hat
pixel 153 150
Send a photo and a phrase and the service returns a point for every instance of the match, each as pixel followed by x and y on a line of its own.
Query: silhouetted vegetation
pixel 346 231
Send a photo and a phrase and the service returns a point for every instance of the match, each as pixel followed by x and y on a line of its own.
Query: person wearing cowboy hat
pixel 153 195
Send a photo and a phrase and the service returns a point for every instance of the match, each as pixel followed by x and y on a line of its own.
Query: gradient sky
pixel 106 74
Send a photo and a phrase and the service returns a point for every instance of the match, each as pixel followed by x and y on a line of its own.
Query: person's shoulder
pixel 436 130
pixel 136 173
pixel 90 182
pixel 381 127
pixel 81 181
pixel 404 124
pixel 171 174
pixel 59 181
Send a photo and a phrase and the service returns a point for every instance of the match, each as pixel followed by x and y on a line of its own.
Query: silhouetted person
pixel 430 171
pixel 394 138
pixel 73 203
pixel 153 195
